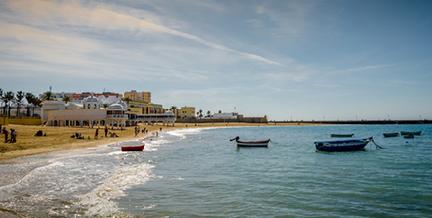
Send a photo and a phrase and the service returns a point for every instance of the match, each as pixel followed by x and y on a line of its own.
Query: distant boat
pixel 408 136
pixel 343 145
pixel 341 135
pixel 132 148
pixel 411 133
pixel 391 134
pixel 251 144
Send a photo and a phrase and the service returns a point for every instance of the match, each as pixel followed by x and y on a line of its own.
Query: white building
pixel 227 116
pixel 89 113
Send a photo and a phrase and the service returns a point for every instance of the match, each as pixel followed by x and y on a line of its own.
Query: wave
pixel 99 202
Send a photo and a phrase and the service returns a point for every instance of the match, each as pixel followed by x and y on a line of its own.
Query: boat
pixel 343 145
pixel 411 133
pixel 341 135
pixel 251 144
pixel 408 136
pixel 390 134
pixel 132 148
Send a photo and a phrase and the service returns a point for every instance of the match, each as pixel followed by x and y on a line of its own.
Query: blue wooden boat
pixel 343 145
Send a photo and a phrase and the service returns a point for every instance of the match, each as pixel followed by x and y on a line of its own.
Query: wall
pixel 21 121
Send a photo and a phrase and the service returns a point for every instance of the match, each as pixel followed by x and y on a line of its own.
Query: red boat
pixel 132 148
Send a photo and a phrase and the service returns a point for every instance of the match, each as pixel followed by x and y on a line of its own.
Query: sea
pixel 200 173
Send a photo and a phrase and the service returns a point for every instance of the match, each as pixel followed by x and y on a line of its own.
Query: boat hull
pixel 132 148
pixel 341 135
pixel 342 145
pixel 393 134
pixel 411 133
pixel 253 144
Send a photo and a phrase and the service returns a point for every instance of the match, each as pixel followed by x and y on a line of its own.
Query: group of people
pixel 138 130
pixel 107 133
pixel 6 133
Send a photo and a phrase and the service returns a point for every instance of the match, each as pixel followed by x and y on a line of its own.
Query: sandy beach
pixel 59 138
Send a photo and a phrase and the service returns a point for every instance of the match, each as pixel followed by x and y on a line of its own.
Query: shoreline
pixel 59 137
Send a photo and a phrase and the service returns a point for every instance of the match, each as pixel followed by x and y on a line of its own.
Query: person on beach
pixel 13 136
pixel 106 131
pixel 6 133
pixel 97 133
pixel 160 129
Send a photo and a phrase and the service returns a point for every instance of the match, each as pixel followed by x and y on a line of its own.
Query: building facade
pixel 185 112
pixel 133 95
pixel 89 113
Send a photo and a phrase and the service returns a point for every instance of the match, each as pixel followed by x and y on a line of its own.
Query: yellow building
pixel 133 95
pixel 140 108
pixel 185 112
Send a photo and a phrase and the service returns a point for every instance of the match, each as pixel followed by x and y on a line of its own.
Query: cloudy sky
pixel 354 59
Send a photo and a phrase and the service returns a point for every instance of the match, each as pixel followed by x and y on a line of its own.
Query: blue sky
pixel 287 59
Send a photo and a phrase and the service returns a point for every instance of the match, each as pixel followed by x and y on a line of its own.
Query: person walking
pixel 6 133
pixel 97 133
pixel 106 131
pixel 13 136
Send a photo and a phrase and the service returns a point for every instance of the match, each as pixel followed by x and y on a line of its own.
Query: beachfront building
pixel 185 112
pixel 231 115
pixel 133 95
pixel 89 113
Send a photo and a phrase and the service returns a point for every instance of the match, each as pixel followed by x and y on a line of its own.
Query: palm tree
pixel 7 99
pixel 47 96
pixel 200 112
pixel 1 98
pixel 30 99
pixel 19 97
pixel 208 113
pixel 66 99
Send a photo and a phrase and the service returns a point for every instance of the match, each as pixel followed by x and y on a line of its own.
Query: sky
pixel 300 60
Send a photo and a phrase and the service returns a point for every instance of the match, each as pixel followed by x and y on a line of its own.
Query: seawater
pixel 198 172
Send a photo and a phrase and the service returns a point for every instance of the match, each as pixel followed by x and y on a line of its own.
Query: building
pixel 166 118
pixel 231 115
pixel 133 95
pixel 185 112
pixel 89 113
pixel 145 108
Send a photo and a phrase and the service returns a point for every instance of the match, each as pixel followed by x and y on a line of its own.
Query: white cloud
pixel 103 17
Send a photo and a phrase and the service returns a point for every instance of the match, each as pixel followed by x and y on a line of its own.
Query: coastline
pixel 58 138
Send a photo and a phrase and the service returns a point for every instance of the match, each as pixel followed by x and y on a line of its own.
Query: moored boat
pixel 132 148
pixel 341 135
pixel 251 144
pixel 342 145
pixel 391 134
pixel 411 133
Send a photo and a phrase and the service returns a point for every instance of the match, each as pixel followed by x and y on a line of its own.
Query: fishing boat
pixel 341 135
pixel 132 148
pixel 252 144
pixel 390 134
pixel 411 133
pixel 343 145
pixel 408 136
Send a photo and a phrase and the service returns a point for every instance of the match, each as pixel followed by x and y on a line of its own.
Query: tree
pixel 1 98
pixel 30 98
pixel 19 97
pixel 66 99
pixel 47 96
pixel 7 99
pixel 220 111
pixel 200 113
pixel 208 113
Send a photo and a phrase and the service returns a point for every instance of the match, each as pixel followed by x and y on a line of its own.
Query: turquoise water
pixel 199 173
pixel 205 175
